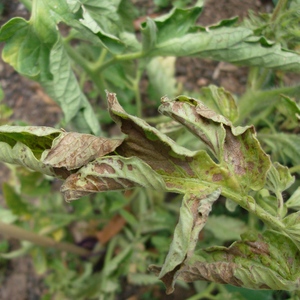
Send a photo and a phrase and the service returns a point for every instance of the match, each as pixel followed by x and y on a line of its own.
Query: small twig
pixel 16 232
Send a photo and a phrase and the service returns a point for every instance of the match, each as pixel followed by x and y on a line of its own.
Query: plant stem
pixel 138 99
pixel 16 232
pixel 205 294
pixel 122 57
pixel 281 5
pixel 295 169
pixel 27 4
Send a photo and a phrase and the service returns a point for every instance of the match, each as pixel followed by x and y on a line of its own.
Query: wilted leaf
pixel 178 166
pixel 193 217
pixel 73 150
pixel 259 261
pixel 237 150
pixel 51 151
pixel 110 173
pixel 219 100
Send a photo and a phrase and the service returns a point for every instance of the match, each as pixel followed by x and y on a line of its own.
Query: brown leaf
pixel 73 150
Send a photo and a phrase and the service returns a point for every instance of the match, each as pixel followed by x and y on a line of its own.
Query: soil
pixel 31 105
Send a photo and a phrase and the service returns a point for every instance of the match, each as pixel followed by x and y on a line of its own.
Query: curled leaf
pixel 258 261
pixel 193 217
pixel 72 150
pixel 236 148
pixel 110 173
pixel 24 145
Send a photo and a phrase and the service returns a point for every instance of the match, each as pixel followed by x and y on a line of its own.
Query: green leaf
pixel 292 227
pixel 102 18
pixel 284 147
pixel 25 145
pixel 65 89
pixel 161 74
pixel 26 247
pixel 108 174
pixel 279 178
pixel 258 262
pixel 225 228
pixel 7 216
pixel 167 25
pixel 34 48
pixel 148 30
pixel 14 200
pixel 294 201
pixel 221 42
pixel 39 260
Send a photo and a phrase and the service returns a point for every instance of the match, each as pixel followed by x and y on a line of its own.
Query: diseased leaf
pixel 51 151
pixel 193 216
pixel 178 166
pixel 237 150
pixel 219 100
pixel 108 174
pixel 258 261
pixel 72 150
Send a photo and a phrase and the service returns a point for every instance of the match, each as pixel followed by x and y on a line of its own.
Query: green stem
pixel 281 5
pixel 206 294
pixel 262 78
pixel 16 232
pixel 86 66
pixel 248 203
pixel 100 61
pixel 27 4
pixel 280 204
pixel 117 58
pixel 295 169
pixel 138 99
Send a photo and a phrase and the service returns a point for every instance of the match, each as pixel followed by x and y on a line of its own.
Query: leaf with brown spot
pixel 236 149
pixel 259 261
pixel 73 150
pixel 241 163
pixel 194 212
pixel 111 173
